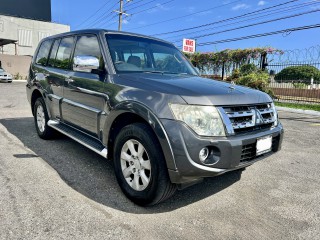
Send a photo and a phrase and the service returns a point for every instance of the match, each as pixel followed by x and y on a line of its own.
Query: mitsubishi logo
pixel 232 85
pixel 259 118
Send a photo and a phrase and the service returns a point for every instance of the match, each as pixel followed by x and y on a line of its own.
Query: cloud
pixel 240 6
pixel 142 22
pixel 125 21
pixel 158 7
pixel 191 9
pixel 204 13
pixel 261 3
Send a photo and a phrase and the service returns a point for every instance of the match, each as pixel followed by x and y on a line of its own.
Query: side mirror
pixel 84 63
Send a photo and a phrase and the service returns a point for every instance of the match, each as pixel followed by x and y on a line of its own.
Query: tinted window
pixel 89 46
pixel 53 53
pixel 43 53
pixel 63 54
pixel 140 54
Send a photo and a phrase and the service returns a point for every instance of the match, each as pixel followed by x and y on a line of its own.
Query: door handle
pixel 69 80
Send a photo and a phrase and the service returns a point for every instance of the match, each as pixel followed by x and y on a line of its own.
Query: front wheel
pixel 41 119
pixel 140 166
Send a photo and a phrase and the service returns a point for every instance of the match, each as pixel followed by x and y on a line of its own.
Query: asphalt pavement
pixel 58 189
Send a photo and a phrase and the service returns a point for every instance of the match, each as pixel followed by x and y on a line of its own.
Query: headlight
pixel 204 120
pixel 275 123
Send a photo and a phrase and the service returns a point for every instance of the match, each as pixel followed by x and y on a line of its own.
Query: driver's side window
pixel 166 62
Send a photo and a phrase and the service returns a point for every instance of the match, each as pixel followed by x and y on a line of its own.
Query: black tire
pixel 159 187
pixel 46 132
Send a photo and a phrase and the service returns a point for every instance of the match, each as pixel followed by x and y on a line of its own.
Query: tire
pixel 140 166
pixel 41 119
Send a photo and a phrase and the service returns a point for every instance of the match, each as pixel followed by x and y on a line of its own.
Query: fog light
pixel 203 154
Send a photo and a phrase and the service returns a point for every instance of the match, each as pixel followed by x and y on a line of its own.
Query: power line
pixel 104 16
pixel 156 6
pixel 259 23
pixel 145 3
pixel 254 24
pixel 134 2
pixel 270 12
pixel 113 17
pixel 168 20
pixel 288 31
pixel 94 14
pixel 224 20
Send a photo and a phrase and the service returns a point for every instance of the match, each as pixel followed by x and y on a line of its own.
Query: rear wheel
pixel 140 166
pixel 41 119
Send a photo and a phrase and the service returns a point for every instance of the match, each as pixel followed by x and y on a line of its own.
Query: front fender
pixel 145 113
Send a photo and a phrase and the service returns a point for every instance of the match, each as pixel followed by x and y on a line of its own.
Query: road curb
pixel 308 112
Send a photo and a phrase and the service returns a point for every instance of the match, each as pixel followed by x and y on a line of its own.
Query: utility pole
pixel 120 15
pixel 121 12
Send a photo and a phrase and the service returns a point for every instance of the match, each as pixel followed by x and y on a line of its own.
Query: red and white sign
pixel 189 45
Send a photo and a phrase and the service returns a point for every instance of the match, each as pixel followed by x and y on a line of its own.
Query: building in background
pixel 22 26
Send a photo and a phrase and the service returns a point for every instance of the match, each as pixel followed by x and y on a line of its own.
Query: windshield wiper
pixel 166 72
pixel 154 72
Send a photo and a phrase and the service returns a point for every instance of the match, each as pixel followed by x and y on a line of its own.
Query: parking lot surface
pixel 58 189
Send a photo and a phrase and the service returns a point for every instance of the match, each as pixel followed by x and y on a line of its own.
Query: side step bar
pixel 82 138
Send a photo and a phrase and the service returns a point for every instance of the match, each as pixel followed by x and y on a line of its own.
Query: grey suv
pixel 138 101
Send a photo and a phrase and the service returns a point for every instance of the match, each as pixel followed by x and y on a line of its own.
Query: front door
pixel 84 98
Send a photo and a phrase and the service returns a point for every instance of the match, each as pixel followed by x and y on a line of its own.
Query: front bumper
pixel 186 146
pixel 5 79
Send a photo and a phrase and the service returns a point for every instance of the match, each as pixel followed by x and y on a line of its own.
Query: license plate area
pixel 264 145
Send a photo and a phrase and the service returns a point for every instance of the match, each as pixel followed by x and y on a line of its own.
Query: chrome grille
pixel 248 118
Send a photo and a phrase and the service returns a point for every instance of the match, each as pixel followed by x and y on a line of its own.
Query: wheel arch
pixel 132 112
pixel 35 95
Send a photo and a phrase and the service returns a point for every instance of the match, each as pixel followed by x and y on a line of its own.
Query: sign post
pixel 189 45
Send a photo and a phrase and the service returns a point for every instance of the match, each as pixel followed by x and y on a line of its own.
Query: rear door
pixel 58 68
pixel 41 73
pixel 84 98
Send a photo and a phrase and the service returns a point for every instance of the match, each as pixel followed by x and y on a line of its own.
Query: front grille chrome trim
pixel 247 118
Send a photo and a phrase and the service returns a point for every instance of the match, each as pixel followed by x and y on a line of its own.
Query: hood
pixel 4 73
pixel 194 89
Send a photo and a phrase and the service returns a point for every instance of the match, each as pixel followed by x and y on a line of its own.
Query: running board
pixel 82 138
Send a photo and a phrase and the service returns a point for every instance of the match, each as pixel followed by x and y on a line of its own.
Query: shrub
pixel 248 68
pixel 299 73
pixel 299 85
pixel 17 76
pixel 257 80
pixel 251 77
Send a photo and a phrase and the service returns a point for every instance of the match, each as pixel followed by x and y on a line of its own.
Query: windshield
pixel 138 54
pixel 1 69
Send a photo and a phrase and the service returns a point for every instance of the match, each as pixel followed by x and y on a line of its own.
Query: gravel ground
pixel 60 190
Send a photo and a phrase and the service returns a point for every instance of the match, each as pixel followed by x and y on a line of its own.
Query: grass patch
pixel 314 107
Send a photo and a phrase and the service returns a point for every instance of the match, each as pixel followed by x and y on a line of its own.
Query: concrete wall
pixel 27 33
pixel 16 64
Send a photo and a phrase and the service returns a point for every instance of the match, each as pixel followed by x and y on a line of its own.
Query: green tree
pixel 299 74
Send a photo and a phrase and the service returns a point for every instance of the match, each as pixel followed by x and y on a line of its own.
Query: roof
pixel 103 31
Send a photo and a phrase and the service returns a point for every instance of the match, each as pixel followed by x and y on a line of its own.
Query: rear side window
pixel 42 56
pixel 53 53
pixel 64 52
pixel 88 45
